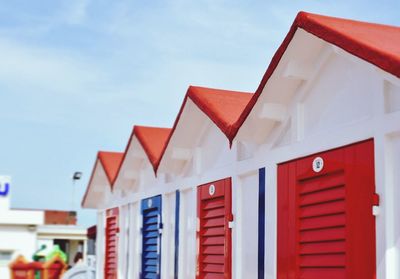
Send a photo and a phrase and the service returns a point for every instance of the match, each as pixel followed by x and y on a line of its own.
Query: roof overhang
pixel 201 108
pixel 142 153
pixel 98 188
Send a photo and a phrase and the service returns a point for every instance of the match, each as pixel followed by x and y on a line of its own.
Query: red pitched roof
pixel 223 107
pixel 375 43
pixel 153 140
pixel 111 162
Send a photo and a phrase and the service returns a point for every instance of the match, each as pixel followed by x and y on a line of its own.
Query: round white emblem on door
pixel 211 190
pixel 318 164
pixel 149 203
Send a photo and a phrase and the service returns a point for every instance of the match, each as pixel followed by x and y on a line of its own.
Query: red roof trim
pixel 360 39
pixel 315 25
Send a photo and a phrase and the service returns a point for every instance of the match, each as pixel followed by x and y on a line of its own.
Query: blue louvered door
pixel 151 238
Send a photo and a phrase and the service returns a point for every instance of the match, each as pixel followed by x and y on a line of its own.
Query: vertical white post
pixel 237 244
pixel 85 250
pixel 271 184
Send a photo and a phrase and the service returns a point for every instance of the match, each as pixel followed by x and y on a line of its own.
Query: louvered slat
pixel 111 248
pixel 322 226
pixel 326 228
pixel 151 238
pixel 212 235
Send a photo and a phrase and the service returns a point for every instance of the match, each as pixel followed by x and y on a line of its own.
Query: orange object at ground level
pixel 52 269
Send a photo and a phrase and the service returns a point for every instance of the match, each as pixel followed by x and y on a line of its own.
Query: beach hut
pixel 99 195
pixel 325 124
pixel 296 180
pixel 198 161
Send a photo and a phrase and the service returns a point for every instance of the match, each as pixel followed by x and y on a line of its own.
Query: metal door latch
pixel 375 205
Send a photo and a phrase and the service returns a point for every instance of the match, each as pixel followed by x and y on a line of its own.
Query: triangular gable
pixel 375 43
pixel 222 107
pixel 153 140
pixel 145 143
pixel 104 170
pixel 111 162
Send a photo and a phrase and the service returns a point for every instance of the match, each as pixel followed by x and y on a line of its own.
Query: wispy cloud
pixel 76 14
pixel 44 69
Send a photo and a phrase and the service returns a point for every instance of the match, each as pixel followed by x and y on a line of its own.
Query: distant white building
pixel 23 232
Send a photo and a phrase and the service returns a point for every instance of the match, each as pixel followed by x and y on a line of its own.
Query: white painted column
pixel 85 250
pixel 237 245
pixel 386 252
pixel 121 242
pixel 271 186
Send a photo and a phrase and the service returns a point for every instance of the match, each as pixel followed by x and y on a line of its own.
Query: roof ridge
pixel 106 160
pixel 194 92
pixel 153 158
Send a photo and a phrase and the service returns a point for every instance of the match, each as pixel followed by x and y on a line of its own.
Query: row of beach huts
pixel 300 179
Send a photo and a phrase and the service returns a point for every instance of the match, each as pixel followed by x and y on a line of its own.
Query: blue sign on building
pixel 4 188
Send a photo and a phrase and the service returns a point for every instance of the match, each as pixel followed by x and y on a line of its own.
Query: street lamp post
pixel 76 176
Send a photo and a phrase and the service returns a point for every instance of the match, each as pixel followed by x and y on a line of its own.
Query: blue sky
pixel 75 75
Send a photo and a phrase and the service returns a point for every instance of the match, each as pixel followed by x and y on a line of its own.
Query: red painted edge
pixel 376 199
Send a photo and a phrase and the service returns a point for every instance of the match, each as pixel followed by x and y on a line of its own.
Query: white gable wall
pixel 99 189
pixel 181 148
pixel 136 173
pixel 245 231
pixel 168 235
pixel 134 241
pixel 100 244
pixel 214 150
pixel 187 234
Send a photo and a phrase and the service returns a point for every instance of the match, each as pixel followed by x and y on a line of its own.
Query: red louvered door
pixel 214 211
pixel 111 238
pixel 326 229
